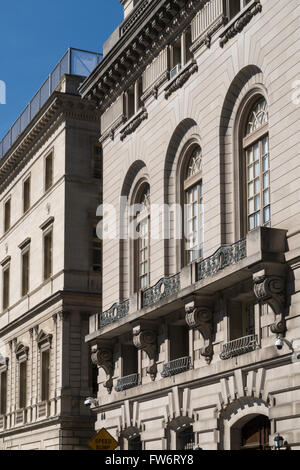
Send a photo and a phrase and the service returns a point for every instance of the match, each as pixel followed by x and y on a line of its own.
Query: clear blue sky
pixel 35 34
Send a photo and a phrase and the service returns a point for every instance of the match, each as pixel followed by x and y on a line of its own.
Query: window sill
pixel 238 23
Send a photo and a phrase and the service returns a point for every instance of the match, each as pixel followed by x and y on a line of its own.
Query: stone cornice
pixel 128 59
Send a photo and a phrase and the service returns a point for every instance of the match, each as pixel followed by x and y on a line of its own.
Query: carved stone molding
pixel 270 289
pixel 205 39
pixel 181 78
pixel 200 318
pixel 102 356
pixel 145 339
pixel 134 123
pixel 241 22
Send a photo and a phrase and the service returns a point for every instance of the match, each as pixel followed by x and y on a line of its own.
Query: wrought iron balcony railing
pixel 239 346
pixel 127 382
pixel 114 314
pixel 177 366
pixel 225 256
pixel 164 288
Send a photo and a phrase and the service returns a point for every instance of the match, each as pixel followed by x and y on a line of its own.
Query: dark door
pixel 255 434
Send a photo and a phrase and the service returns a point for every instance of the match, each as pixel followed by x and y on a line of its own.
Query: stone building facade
pixel 198 342
pixel 50 280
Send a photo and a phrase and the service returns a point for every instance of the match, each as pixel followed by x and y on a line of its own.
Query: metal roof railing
pixel 74 62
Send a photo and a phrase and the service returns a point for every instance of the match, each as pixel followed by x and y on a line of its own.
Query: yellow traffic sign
pixel 103 441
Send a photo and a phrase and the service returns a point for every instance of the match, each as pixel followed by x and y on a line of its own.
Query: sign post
pixel 103 441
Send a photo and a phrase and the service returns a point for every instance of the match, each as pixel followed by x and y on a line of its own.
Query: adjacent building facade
pixel 198 341
pixel 50 280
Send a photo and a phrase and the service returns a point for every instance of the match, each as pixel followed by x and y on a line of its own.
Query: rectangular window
pixel 5 288
pixel 48 255
pixel 25 273
pixel 26 195
pixel 97 252
pixel 7 215
pixel 22 385
pixel 49 172
pixel 45 379
pixel 3 393
pixel 235 6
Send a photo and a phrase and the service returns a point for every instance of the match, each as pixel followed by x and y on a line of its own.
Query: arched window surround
pixel 240 141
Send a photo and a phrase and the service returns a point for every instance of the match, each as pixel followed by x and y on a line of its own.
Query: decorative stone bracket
pixel 102 356
pixel 145 339
pixel 270 289
pixel 200 318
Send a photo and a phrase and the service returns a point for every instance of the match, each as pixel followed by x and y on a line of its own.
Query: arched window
pixel 257 164
pixel 143 240
pixel 194 230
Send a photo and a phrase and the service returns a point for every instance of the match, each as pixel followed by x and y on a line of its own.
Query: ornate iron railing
pixel 113 314
pixel 127 382
pixel 225 256
pixel 239 346
pixel 164 288
pixel 177 366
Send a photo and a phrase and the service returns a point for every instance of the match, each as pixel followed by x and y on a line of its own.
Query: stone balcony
pixel 261 253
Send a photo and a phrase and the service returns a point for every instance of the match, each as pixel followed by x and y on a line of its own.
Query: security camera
pixel 279 343
pixel 90 402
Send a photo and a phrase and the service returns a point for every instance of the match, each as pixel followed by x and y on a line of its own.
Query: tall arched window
pixel 257 164
pixel 143 240
pixel 194 230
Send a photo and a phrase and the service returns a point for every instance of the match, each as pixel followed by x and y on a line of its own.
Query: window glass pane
pixel 250 189
pixel 266 180
pixel 265 163
pixel 265 145
pixel 257 203
pixel 251 206
pixel 250 155
pixel 267 214
pixel 256 169
pixel 250 173
pixel 257 186
pixel 266 197
pixel 256 152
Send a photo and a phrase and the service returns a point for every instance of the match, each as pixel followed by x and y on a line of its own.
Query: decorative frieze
pixel 181 78
pixel 201 318
pixel 102 356
pixel 242 21
pixel 162 289
pixel 134 123
pixel 145 339
pixel 225 256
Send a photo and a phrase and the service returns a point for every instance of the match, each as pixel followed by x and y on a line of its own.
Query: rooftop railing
pixel 239 346
pixel 127 382
pixel 113 314
pixel 177 366
pixel 74 62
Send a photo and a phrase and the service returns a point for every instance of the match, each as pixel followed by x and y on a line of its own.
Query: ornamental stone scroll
pixel 145 339
pixel 102 356
pixel 201 318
